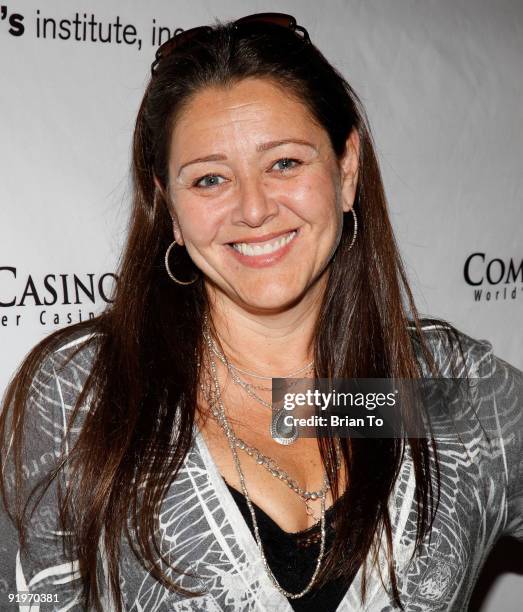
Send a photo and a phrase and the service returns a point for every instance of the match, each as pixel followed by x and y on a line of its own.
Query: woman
pixel 259 247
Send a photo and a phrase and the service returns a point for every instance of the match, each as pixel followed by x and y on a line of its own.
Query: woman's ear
pixel 177 232
pixel 349 170
pixel 160 188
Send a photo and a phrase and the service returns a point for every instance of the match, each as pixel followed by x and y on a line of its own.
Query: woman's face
pixel 257 193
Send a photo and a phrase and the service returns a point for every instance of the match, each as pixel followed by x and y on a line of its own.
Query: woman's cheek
pixel 203 228
pixel 316 188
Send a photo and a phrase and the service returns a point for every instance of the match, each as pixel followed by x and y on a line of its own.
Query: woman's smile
pixel 262 252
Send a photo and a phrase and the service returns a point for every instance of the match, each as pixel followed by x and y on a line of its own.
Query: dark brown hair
pixel 144 376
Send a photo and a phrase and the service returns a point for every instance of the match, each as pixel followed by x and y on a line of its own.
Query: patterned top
pixel 202 528
pixel 292 556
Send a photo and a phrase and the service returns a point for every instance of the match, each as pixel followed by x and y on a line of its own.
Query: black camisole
pixel 292 557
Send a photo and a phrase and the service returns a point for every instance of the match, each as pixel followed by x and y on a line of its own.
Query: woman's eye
pixel 209 180
pixel 286 163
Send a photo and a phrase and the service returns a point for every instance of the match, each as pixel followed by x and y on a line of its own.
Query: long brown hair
pixel 142 387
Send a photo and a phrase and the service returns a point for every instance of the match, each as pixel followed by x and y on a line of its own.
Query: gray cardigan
pixel 203 530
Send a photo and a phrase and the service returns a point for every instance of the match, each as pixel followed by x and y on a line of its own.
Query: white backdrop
pixel 441 81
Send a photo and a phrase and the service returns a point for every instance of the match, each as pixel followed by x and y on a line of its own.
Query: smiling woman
pixel 259 247
pixel 261 215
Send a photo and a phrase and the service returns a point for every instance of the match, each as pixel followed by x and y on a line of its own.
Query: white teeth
pixel 255 249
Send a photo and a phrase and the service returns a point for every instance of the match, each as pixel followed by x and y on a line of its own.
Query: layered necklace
pixel 281 432
pixel 218 411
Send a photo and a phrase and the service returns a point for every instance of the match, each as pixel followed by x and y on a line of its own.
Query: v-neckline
pixel 351 601
pixel 274 524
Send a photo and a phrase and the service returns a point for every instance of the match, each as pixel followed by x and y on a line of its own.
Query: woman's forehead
pixel 252 109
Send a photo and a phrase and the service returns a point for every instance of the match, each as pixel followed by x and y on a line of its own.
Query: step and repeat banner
pixel 441 82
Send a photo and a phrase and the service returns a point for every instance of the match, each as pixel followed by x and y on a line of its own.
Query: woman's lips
pixel 263 254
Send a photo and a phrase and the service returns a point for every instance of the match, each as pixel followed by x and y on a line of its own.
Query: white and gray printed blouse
pixel 201 527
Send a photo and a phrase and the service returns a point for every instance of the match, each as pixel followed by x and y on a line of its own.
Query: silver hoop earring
pixel 355 232
pixel 171 275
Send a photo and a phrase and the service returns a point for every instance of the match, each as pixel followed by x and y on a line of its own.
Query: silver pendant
pixel 281 432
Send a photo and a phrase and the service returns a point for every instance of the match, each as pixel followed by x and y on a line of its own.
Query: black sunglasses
pixel 182 36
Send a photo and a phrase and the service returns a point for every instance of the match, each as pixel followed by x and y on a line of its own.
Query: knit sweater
pixel 202 529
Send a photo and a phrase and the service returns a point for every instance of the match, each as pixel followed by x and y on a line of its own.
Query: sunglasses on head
pixel 182 36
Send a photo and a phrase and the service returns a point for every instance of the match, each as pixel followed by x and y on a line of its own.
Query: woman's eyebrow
pixel 276 143
pixel 198 160
pixel 260 148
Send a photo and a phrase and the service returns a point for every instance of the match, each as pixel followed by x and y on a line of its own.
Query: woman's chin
pixel 272 300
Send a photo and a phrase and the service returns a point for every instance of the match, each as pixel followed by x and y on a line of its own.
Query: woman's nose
pixel 255 205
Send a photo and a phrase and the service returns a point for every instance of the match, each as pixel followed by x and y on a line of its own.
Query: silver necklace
pixel 231 439
pixel 219 354
pixel 250 387
pixel 262 377
pixel 280 432
pixel 271 466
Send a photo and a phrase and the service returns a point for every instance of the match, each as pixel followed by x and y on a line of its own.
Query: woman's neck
pixel 271 344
